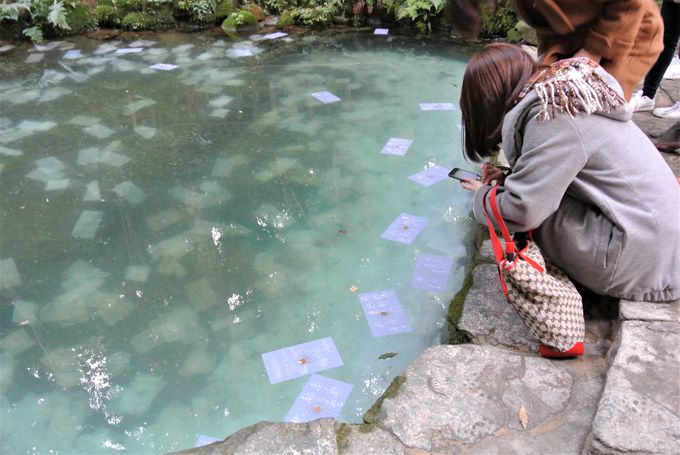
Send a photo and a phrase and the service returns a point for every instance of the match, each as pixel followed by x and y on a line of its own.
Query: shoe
pixel 641 103
pixel 549 353
pixel 668 112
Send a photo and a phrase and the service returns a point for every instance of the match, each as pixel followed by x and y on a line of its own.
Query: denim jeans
pixel 670 13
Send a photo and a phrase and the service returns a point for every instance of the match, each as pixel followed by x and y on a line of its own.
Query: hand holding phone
pixel 462 174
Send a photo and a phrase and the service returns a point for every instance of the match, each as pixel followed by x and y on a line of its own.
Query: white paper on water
pixel 137 273
pixel 35 125
pixel 57 184
pixel 225 166
pixel 9 275
pixel 219 113
pixel 6 151
pixel 135 106
pixel 221 101
pixel 173 247
pixel 53 93
pixel 83 120
pixel 99 131
pixel 87 225
pixel 136 398
pixel 111 308
pixel 129 191
pixel 24 311
pixel 92 191
pixel 163 219
pixel 17 342
pixel 146 132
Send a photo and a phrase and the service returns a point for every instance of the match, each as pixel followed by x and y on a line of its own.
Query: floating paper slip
pixel 321 397
pixel 82 120
pixel 430 176
pixel 9 275
pixel 24 311
pixel 10 152
pixel 99 131
pixel 299 360
pixel 203 440
pixel 384 313
pixel 397 146
pixel 275 35
pixel 381 31
pixel 34 58
pixel 57 184
pixel 242 52
pixel 326 97
pixel 146 132
pixel 130 191
pixel 129 50
pixel 163 66
pixel 437 107
pixel 88 224
pixel 137 273
pixel 92 191
pixel 73 54
pixel 404 229
pixel 431 272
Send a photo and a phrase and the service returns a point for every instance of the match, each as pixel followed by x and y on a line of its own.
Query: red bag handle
pixel 510 247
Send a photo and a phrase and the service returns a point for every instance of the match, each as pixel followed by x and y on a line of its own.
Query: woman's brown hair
pixel 493 79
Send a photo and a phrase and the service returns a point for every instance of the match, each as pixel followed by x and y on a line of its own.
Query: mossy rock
pixel 224 9
pixel 257 11
pixel 285 19
pixel 135 22
pixel 107 15
pixel 239 20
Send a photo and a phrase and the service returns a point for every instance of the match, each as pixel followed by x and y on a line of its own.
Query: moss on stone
pixel 285 19
pixel 239 19
pixel 107 15
pixel 134 21
pixel 224 9
pixel 391 391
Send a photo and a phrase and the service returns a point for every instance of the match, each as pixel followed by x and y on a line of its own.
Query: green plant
pixel 239 19
pixel 40 17
pixel 203 11
pixel 134 22
pixel 319 16
pixel 224 9
pixel 285 19
pixel 107 15
pixel 497 22
pixel 420 12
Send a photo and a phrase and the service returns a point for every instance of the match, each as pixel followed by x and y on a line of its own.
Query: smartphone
pixel 462 174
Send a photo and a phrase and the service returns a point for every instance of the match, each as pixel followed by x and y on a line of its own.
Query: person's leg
pixel 670 12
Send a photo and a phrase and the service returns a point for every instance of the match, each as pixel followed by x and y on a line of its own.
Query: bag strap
pixel 510 247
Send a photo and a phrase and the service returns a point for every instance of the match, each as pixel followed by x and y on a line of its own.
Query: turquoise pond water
pixel 162 228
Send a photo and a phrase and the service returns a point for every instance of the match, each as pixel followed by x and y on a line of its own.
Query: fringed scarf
pixel 572 86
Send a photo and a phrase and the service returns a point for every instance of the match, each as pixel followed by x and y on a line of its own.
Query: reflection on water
pixel 163 227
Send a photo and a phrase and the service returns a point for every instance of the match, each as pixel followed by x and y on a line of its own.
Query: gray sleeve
pixel 551 157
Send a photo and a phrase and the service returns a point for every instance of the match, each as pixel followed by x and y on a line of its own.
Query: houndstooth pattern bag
pixel 541 294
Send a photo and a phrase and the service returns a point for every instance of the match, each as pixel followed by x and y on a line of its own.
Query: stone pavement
pixel 494 395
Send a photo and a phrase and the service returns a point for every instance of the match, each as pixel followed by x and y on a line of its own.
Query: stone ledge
pixel 650 311
pixel 639 411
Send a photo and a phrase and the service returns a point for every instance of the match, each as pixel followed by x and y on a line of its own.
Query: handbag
pixel 541 294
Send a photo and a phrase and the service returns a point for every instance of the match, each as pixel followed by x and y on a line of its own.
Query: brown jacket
pixel 628 34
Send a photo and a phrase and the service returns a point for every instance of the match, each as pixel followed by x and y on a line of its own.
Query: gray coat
pixel 603 204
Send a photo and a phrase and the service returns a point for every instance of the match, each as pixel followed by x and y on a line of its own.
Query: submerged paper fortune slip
pixel 242 52
pixel 384 313
pixel 404 229
pixel 431 272
pixel 396 146
pixel 203 440
pixel 301 359
pixel 326 97
pixel 163 66
pixel 128 50
pixel 381 31
pixel 437 107
pixel 430 176
pixel 321 397
pixel 275 35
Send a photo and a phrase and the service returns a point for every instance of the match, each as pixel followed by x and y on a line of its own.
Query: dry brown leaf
pixel 523 417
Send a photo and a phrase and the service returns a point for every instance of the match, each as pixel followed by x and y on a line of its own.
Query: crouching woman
pixel 602 203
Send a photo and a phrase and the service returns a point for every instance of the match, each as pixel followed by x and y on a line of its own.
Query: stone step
pixel 640 407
